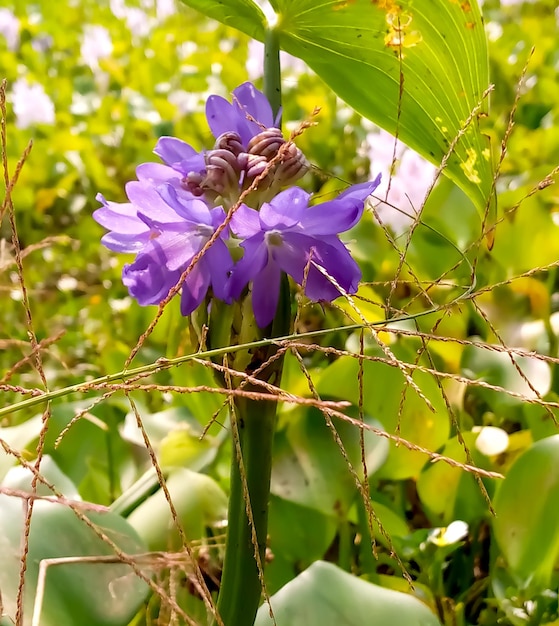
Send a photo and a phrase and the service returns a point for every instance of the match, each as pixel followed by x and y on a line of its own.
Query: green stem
pixel 253 426
pixel 240 583
pixel 272 70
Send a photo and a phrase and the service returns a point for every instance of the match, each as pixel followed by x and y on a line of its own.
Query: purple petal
pixel 219 262
pixel 340 214
pixel 221 115
pixel 184 204
pixel 250 100
pixel 147 279
pixel 286 209
pixel 254 259
pixel 128 232
pixel 362 190
pixel 118 242
pixel 245 222
pixel 148 202
pixel 293 254
pixel 217 217
pixel 335 258
pixel 265 293
pixel 333 217
pixel 156 173
pixel 172 150
pixel 194 288
pixel 121 217
pixel 179 248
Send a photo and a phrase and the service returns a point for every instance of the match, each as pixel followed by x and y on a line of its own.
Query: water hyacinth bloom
pixel 31 104
pixel 287 235
pixel 9 28
pixel 167 229
pixel 247 139
pixel 176 206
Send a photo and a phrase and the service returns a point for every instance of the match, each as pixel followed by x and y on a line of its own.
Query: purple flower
pixel 287 235
pixel 248 115
pixel 167 228
pixel 247 139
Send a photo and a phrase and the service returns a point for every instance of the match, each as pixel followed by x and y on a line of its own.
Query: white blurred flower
pixel 165 8
pixel 402 193
pixel 9 28
pixel 491 440
pixel 141 21
pixel 96 44
pixel 31 104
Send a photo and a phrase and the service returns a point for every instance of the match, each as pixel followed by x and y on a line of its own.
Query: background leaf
pixel 310 600
pixel 526 524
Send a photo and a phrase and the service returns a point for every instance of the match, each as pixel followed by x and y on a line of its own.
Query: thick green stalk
pixel 255 422
pixel 240 583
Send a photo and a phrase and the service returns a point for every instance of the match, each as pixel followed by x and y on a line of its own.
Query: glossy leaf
pixel 384 386
pixel 526 525
pixel 324 594
pixel 242 14
pixel 100 593
pixel 198 500
pixel 18 438
pixel 417 68
pixel 309 467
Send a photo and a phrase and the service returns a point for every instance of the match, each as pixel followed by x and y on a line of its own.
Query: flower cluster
pixel 175 207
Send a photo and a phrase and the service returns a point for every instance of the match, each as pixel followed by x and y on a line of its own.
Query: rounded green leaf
pixel 324 594
pixel 309 467
pixel 199 502
pixel 526 525
pixel 94 593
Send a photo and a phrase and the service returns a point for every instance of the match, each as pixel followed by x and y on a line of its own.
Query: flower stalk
pixel 253 424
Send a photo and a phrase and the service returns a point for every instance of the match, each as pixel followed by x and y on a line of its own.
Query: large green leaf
pixel 86 593
pixel 415 67
pixel 324 595
pixel 309 467
pixel 388 398
pixel 242 14
pixel 526 525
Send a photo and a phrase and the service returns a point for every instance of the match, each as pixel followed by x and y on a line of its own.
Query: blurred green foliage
pixel 109 113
